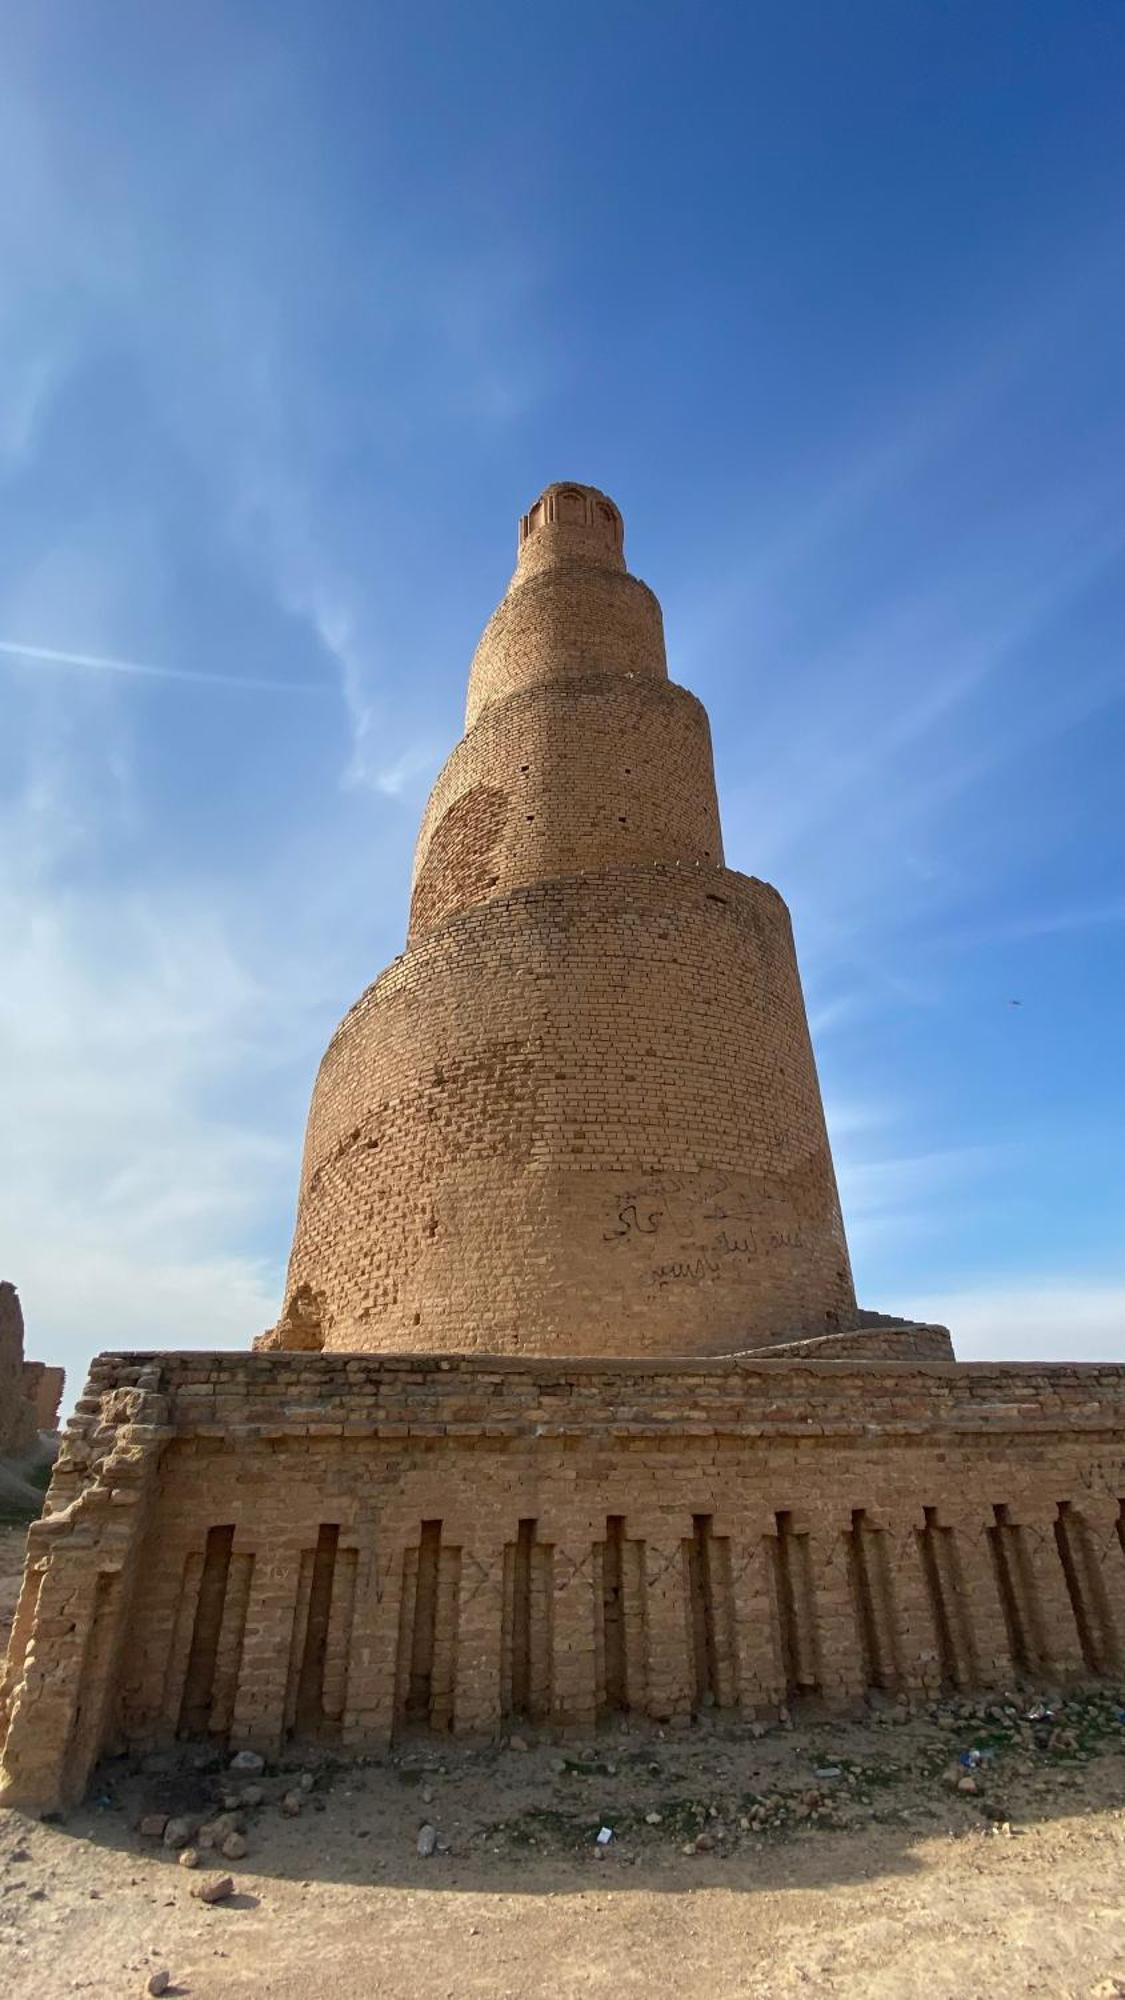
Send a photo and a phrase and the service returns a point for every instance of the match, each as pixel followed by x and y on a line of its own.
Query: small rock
pixel 516 1743
pixel 235 1847
pixel 177 1833
pixel 216 1889
pixel 427 1796
pixel 248 1762
pixel 152 1826
pixel 291 1804
pixel 188 1857
pixel 159 1982
pixel 653 1818
pixel 967 1784
pixel 251 1795
pixel 427 1840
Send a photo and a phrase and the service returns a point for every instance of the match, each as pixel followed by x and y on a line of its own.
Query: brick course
pixel 441 1527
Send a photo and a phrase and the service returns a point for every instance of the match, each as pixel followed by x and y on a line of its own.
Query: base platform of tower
pixel 570 1410
pixel 256 1550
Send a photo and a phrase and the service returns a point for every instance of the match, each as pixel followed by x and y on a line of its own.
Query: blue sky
pixel 300 306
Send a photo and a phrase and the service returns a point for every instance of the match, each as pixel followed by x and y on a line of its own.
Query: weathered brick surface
pixel 580 1114
pixel 783 1529
pixel 30 1392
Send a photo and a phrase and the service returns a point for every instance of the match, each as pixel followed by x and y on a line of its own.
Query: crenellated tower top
pixel 571 524
pixel 571 609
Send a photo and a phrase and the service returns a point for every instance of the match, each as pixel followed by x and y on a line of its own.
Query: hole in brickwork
pixel 521 1619
pixel 795 1607
pixel 701 1596
pixel 1003 1540
pixel 613 1614
pixel 869 1598
pixel 931 1540
pixel 525 1636
pixel 1069 1540
pixel 419 1693
pixel 310 1683
pixel 199 1682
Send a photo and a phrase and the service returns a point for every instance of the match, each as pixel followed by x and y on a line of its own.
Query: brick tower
pixel 580 1114
pixel 592 1424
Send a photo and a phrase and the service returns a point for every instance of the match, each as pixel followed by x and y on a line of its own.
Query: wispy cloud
pixel 1047 1318
pixel 416 761
pixel 99 662
pixel 138 1205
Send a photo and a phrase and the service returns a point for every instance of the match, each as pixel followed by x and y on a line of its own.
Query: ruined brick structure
pixel 570 1410
pixel 30 1392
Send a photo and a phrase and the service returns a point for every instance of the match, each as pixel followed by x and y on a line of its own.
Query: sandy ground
pixel 734 1867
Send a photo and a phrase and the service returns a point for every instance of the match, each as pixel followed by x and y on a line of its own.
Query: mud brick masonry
pixel 570 1409
pixel 30 1392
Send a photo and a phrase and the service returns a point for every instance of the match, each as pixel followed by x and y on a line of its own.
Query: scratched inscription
pixel 698 1227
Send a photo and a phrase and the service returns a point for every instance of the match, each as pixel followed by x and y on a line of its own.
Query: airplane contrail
pixel 53 657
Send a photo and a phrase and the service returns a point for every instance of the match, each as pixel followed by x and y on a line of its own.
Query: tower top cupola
pixel 571 524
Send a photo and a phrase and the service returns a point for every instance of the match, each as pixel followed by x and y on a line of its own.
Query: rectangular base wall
pixel 349 1549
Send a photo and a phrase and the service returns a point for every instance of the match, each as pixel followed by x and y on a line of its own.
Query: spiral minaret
pixel 580 1114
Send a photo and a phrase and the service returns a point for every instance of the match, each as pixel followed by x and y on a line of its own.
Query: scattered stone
pixel 291 1804
pixel 216 1889
pixel 235 1847
pixel 159 1982
pixel 248 1762
pixel 306 1781
pixel 967 1784
pixel 516 1743
pixel 251 1795
pixel 653 1818
pixel 427 1840
pixel 188 1857
pixel 177 1833
pixel 427 1795
pixel 152 1826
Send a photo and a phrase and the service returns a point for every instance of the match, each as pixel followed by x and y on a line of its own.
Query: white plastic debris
pixel 605 1835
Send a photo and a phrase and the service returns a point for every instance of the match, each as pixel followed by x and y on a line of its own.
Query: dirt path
pixel 828 1859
